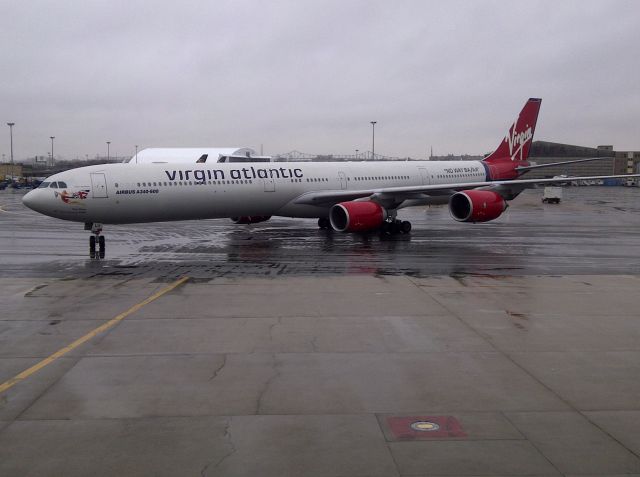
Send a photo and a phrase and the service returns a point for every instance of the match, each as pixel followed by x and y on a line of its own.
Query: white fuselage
pixel 130 193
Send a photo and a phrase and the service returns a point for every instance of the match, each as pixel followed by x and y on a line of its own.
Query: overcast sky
pixel 311 75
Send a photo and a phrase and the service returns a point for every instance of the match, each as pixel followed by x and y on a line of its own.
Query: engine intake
pixel 476 206
pixel 357 216
pixel 250 219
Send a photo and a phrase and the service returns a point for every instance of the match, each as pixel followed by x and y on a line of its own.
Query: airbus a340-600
pixel 344 196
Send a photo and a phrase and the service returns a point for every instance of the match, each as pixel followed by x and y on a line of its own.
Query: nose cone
pixel 33 200
pixel 28 199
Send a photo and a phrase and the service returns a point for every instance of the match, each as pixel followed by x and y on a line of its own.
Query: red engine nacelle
pixel 476 206
pixel 250 219
pixel 357 216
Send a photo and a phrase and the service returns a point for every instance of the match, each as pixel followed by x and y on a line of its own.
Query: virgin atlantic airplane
pixel 343 196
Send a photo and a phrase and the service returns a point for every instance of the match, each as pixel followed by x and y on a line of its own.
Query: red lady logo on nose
pixel 68 198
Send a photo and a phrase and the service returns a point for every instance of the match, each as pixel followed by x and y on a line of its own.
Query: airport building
pixel 627 162
pixel 8 171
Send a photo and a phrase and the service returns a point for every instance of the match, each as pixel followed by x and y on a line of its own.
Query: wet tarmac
pixel 503 349
pixel 594 230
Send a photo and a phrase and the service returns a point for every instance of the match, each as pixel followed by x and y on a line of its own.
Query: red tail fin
pixel 516 144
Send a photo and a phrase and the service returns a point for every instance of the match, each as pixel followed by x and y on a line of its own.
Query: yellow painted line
pixel 2 209
pixel 109 324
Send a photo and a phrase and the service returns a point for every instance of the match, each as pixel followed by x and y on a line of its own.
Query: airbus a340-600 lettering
pixel 344 196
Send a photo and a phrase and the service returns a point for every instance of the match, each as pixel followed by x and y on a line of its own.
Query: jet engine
pixel 357 216
pixel 476 205
pixel 250 219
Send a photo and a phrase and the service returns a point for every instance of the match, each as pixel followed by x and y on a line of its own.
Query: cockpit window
pixel 43 185
pixel 54 185
pixel 62 185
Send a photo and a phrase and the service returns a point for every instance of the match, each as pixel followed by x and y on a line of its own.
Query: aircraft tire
pixel 92 246
pixel 405 227
pixel 102 246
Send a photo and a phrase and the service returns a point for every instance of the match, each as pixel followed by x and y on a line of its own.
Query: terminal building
pixel 10 171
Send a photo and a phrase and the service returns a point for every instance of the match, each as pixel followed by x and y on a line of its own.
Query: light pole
pixel 373 139
pixel 52 138
pixel 357 154
pixel 11 139
pixel 136 153
pixel 108 143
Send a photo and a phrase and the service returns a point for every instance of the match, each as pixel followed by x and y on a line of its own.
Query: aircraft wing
pixel 398 194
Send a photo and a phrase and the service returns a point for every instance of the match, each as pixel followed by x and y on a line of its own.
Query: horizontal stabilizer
pixel 551 164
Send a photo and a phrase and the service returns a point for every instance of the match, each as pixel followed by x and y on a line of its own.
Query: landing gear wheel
pixel 96 229
pixel 324 223
pixel 101 245
pixel 405 227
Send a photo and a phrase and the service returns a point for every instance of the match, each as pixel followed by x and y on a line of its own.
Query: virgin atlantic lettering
pixel 244 173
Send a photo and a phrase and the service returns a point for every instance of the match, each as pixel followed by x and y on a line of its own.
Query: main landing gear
pixel 96 239
pixel 390 226
pixel 396 226
pixel 324 223
pixel 393 226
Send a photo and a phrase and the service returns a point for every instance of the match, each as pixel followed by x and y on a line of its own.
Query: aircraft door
pixel 269 185
pixel 343 180
pixel 98 185
pixel 424 174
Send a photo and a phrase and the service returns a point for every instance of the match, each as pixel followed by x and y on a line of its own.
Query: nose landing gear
pixel 96 230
